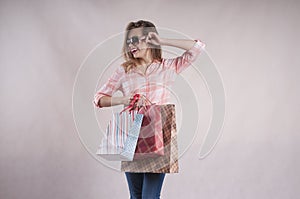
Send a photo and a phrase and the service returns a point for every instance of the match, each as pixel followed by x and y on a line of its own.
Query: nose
pixel 130 44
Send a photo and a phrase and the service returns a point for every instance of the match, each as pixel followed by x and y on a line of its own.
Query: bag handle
pixel 147 101
pixel 132 105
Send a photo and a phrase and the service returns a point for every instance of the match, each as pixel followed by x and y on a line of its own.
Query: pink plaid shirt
pixel 155 83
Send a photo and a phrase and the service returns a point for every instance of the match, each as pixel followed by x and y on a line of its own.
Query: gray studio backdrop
pixel 254 45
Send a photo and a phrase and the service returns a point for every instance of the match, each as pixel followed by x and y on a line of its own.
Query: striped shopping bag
pixel 121 137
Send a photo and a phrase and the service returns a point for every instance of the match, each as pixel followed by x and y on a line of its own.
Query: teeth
pixel 133 50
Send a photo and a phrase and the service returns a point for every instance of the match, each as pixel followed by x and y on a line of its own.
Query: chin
pixel 136 55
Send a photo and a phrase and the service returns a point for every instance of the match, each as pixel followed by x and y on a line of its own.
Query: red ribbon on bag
pixel 132 105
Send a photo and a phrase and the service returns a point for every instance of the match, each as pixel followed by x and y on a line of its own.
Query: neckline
pixel 135 69
pixel 145 71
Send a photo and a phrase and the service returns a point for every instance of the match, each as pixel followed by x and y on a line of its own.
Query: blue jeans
pixel 145 185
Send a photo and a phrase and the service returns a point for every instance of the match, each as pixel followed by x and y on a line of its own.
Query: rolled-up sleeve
pixel 186 59
pixel 110 87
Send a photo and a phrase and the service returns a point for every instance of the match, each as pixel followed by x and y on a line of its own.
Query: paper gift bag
pixel 150 142
pixel 168 163
pixel 121 137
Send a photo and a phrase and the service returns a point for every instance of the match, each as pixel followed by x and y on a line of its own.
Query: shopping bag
pixel 150 142
pixel 168 163
pixel 121 137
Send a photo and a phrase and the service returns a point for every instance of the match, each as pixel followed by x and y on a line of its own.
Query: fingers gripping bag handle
pixel 133 103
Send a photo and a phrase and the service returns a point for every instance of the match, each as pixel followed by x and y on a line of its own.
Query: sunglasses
pixel 134 40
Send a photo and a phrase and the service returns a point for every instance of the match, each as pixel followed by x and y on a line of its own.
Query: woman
pixel 146 72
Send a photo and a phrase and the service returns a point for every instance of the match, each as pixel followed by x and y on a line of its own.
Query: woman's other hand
pixel 153 38
pixel 126 100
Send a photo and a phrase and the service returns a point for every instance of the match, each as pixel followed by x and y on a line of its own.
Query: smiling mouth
pixel 133 51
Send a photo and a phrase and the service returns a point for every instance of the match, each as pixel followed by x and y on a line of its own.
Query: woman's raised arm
pixel 185 44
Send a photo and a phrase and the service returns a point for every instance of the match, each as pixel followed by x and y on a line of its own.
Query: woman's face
pixel 136 43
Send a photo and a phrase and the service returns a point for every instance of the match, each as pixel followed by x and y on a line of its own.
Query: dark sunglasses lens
pixel 134 40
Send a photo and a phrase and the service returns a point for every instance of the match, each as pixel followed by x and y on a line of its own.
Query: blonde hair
pixel 130 61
